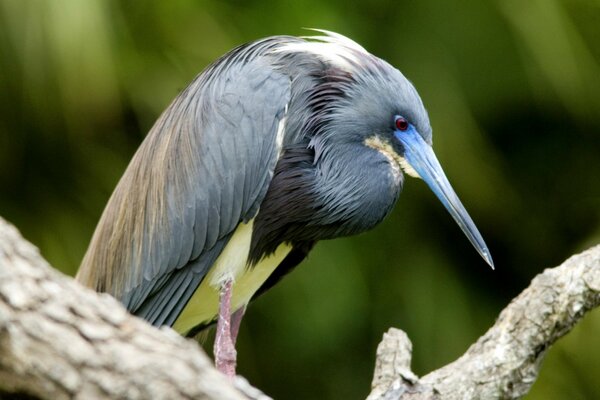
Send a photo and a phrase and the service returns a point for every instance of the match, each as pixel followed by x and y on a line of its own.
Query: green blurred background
pixel 513 92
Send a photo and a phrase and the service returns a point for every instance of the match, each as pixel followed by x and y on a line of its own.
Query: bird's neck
pixel 348 190
pixel 359 187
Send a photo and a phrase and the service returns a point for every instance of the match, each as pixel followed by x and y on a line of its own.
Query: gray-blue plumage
pixel 296 135
pixel 204 167
pixel 225 177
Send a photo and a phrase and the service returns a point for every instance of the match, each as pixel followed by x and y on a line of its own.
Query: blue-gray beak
pixel 420 156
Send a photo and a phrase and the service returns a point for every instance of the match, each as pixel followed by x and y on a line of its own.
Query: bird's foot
pixel 225 357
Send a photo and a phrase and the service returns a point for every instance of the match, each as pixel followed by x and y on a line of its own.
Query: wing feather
pixel 204 167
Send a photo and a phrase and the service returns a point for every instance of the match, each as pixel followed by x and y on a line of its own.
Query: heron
pixel 278 144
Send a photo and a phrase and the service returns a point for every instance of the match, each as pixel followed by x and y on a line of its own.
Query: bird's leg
pixel 236 320
pixel 224 349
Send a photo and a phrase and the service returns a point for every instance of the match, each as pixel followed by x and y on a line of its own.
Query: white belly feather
pixel 232 263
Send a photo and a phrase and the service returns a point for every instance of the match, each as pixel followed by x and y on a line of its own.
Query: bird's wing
pixel 204 167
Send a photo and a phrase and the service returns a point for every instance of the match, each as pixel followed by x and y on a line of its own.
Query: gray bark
pixel 59 340
pixel 505 361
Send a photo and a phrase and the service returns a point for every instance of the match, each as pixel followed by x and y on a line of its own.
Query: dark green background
pixel 513 92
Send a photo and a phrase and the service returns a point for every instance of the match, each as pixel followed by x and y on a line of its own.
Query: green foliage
pixel 513 92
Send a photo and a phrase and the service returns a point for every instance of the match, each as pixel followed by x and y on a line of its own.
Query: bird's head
pixel 381 108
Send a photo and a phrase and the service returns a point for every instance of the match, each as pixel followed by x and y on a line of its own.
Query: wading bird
pixel 278 144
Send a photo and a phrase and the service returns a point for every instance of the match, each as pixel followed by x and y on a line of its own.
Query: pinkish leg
pixel 236 320
pixel 224 349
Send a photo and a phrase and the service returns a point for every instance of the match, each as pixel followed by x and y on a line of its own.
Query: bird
pixel 280 143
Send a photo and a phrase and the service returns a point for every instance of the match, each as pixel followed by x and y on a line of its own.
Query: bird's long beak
pixel 420 156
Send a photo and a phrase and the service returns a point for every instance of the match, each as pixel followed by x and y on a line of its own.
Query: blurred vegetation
pixel 513 92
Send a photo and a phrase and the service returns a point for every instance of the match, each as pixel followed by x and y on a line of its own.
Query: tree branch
pixel 59 340
pixel 504 362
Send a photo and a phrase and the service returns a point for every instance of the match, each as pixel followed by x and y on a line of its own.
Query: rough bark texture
pixel 59 340
pixel 503 363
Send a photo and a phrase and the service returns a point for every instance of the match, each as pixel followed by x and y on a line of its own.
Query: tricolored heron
pixel 279 144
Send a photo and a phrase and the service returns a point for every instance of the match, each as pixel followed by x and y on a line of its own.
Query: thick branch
pixel 504 362
pixel 59 340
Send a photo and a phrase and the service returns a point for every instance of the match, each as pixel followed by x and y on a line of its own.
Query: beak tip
pixel 488 258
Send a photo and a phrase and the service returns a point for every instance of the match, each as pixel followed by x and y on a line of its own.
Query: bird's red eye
pixel 401 123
